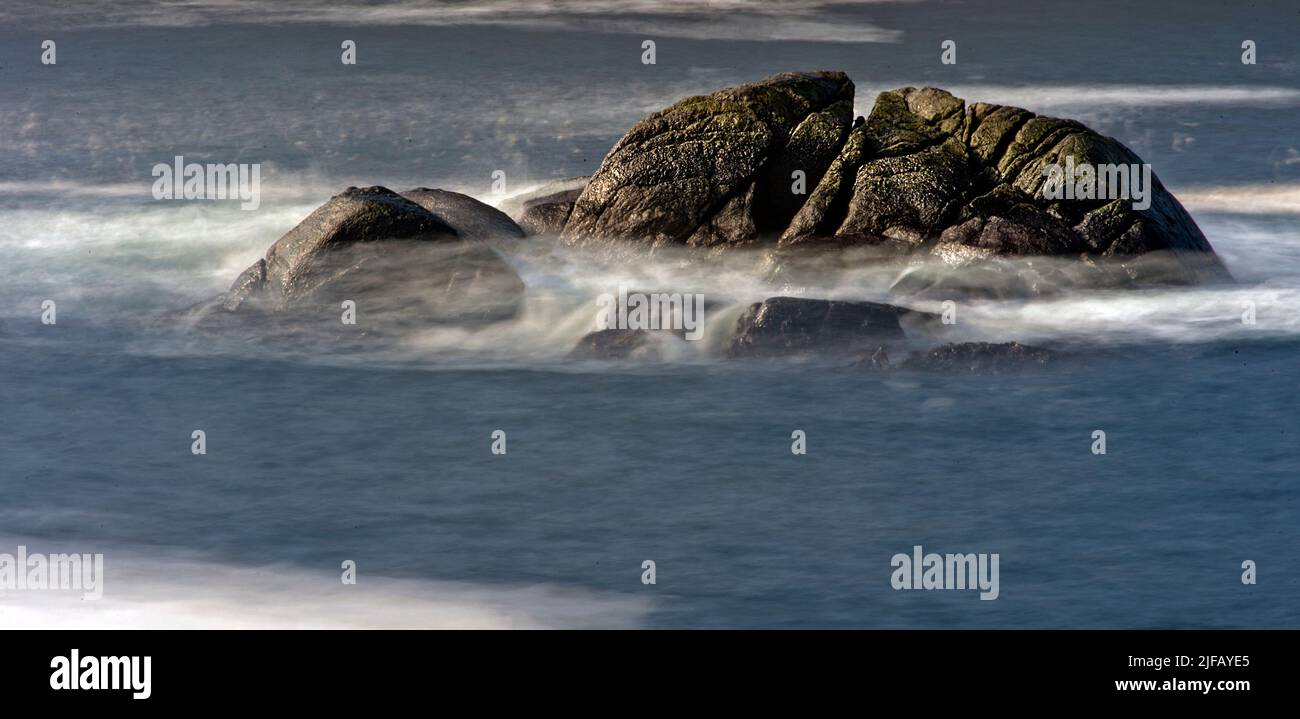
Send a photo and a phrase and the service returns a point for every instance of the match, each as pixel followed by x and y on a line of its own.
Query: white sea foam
pixel 152 592
pixel 1260 199
pixel 1175 316
pixel 119 261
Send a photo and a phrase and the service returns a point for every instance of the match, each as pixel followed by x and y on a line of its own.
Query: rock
pixel 958 186
pixel 547 214
pixel 472 220
pixel 250 283
pixel 401 264
pixel 813 146
pixel 694 173
pixel 544 210
pixel 924 180
pixel 979 357
pixel 818 218
pixel 615 344
pixel 898 181
pixel 781 326
pixel 304 258
pixel 514 205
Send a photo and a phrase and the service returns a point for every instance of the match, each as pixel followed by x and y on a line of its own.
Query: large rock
pixel 941 187
pixel 785 326
pixel 400 263
pixel 715 170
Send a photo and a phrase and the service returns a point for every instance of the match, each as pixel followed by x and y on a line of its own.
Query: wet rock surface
pixel 786 326
pixel 545 210
pixel 701 172
pixel 547 214
pixel 472 219
pixel 397 261
pixel 615 344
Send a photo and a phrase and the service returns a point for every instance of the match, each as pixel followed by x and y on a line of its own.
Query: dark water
pixel 385 459
pixel 691 467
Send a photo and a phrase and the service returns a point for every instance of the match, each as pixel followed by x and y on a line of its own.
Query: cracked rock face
pixel 925 179
pixel 399 262
pixel 714 170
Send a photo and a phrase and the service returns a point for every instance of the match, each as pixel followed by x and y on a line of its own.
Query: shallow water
pixel 383 457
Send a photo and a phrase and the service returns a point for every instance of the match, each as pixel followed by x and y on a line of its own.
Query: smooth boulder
pixel 398 262
pixel 472 219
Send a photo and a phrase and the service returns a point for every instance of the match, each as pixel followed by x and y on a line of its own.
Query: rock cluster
pixel 951 193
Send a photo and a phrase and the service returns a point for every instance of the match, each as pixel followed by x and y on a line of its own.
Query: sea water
pixel 382 457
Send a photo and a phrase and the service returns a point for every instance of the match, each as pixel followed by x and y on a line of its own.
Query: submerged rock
pixel 615 344
pixel 783 326
pixel 250 283
pixel 982 357
pixel 877 359
pixel 398 262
